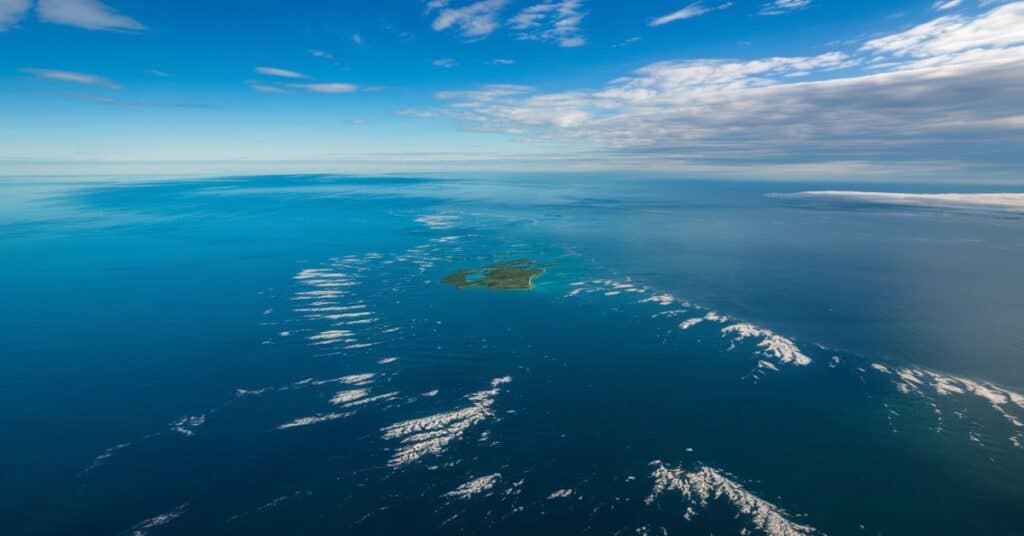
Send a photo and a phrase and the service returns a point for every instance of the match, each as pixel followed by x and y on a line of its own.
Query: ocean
pixel 284 355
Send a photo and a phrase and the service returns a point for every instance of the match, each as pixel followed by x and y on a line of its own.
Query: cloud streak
pixel 73 77
pixel 999 202
pixel 779 7
pixel 695 9
pixel 280 73
pixel 327 87
pixel 87 14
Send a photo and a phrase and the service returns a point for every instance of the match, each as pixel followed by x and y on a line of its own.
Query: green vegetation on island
pixel 509 275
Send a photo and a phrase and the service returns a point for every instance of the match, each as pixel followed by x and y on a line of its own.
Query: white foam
pixel 690 322
pixel 330 335
pixel 142 527
pixel 105 455
pixel 371 399
pixel 343 397
pixel 351 379
pixel 186 426
pixel 702 486
pixel 387 360
pixel 772 344
pixel 672 312
pixel 432 434
pixel 437 221
pixel 660 299
pixel 913 380
pixel 710 316
pixel 475 486
pixel 560 494
pixel 315 419
pixel 354 315
pixel 360 345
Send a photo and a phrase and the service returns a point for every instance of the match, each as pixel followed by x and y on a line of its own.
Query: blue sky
pixel 767 89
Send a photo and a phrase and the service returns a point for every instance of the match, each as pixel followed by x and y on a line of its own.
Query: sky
pixel 769 89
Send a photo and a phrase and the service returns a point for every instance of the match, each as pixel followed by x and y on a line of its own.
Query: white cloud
pixel 413 112
pixel 264 88
pixel 627 42
pixel 1001 27
pixel 474 21
pixel 88 14
pixel 73 77
pixel 357 39
pixel 322 54
pixel 950 90
pixel 943 5
pixel 327 87
pixel 557 21
pixel 487 93
pixel 444 63
pixel 12 11
pixel 503 61
pixel 158 73
pixel 778 7
pixel 695 9
pixel 280 73
pixel 1003 201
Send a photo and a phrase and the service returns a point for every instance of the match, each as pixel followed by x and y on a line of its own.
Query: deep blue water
pixel 161 342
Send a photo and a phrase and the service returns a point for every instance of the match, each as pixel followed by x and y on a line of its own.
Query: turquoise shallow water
pixel 277 355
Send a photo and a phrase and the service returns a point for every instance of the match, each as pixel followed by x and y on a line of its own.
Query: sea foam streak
pixel 315 419
pixel 916 380
pixel 475 487
pixel 142 527
pixel 706 484
pixel 772 344
pixel 432 434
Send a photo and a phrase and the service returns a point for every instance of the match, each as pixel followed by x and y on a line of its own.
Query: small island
pixel 509 275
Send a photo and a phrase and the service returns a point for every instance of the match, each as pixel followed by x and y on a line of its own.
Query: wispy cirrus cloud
pixel 87 14
pixel 444 63
pixel 267 88
pixel 475 20
pixel 12 12
pixel 322 54
pixel 943 5
pixel 417 113
pixel 695 9
pixel 556 21
pixel 72 77
pixel 488 93
pixel 779 7
pixel 947 91
pixel 326 87
pixel 280 73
